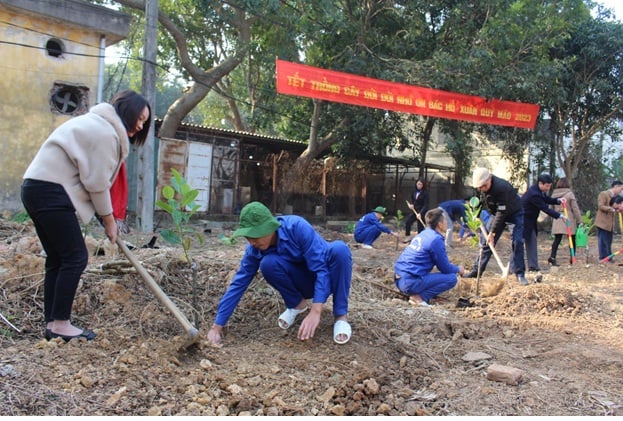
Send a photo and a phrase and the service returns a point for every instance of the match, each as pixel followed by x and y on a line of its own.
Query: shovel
pixel 191 331
pixel 495 253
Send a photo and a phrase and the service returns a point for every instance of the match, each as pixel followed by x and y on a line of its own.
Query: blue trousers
pixel 530 237
pixel 368 236
pixel 517 263
pixel 57 226
pixel 295 282
pixel 427 286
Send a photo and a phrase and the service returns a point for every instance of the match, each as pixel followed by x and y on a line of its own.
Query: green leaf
pixel 189 197
pixel 170 236
pixel 186 243
pixel 164 206
pixel 168 192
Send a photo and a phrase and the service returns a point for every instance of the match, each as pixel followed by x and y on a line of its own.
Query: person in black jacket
pixel 418 202
pixel 503 202
pixel 535 200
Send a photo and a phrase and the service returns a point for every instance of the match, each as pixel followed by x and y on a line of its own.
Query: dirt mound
pixel 565 334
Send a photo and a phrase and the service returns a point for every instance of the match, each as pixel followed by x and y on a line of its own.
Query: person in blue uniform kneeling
pixel 298 263
pixel 413 270
pixel 369 227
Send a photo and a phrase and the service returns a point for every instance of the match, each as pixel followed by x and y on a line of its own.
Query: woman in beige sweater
pixel 70 177
pixel 559 226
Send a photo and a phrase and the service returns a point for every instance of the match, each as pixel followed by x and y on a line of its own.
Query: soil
pixel 550 348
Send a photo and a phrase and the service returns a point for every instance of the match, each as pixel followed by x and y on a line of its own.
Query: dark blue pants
pixel 295 282
pixel 368 236
pixel 517 263
pixel 57 226
pixel 604 243
pixel 427 286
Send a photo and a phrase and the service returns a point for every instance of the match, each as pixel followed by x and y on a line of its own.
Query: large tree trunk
pixel 426 135
pixel 294 180
pixel 204 79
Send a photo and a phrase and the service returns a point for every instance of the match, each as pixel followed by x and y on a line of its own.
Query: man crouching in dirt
pixel 298 263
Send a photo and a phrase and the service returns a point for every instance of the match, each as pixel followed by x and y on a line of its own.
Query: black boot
pixel 552 261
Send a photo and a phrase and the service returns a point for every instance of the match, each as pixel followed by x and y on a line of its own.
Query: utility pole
pixel 145 174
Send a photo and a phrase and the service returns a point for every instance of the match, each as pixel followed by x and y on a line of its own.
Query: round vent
pixel 66 101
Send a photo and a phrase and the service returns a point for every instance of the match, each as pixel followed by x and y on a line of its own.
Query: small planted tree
pixel 397 223
pixel 473 222
pixel 180 204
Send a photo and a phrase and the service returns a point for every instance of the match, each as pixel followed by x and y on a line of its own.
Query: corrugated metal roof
pixel 274 142
pixel 298 144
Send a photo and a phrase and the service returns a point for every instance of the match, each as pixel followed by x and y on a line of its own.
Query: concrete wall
pixel 29 74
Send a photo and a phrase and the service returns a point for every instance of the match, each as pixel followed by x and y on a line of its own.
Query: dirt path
pixel 564 334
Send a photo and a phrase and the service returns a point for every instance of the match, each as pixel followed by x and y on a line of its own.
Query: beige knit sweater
pixel 84 155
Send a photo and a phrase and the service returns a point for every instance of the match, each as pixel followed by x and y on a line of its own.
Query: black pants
pixel 409 223
pixel 57 226
pixel 556 243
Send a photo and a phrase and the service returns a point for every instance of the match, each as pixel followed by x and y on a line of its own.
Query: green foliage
pixel 180 204
pixel 350 228
pixel 397 220
pixel 6 332
pixel 397 223
pixel 472 210
pixel 20 217
pixel 587 222
pixel 229 241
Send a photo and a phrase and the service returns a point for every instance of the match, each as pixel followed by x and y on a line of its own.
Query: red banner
pixel 313 82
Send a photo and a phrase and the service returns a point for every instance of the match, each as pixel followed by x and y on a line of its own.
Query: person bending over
pixel 369 227
pixel 296 261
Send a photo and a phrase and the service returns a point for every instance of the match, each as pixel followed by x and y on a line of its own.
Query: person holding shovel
pixel 418 204
pixel 413 270
pixel 561 227
pixel 70 178
pixel 296 261
pixel 504 204
pixel 369 227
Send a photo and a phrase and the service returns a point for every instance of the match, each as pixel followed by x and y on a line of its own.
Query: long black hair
pixel 129 106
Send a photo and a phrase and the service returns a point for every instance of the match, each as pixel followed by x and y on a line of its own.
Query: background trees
pixel 219 58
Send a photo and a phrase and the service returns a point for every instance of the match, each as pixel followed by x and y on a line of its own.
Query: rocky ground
pixel 551 348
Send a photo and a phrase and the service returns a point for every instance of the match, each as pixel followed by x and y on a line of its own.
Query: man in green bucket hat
pixel 296 261
pixel 369 227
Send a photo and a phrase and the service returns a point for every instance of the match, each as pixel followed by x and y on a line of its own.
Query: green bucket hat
pixel 381 210
pixel 256 221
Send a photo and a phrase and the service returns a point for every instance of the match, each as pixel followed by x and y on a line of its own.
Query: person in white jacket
pixel 70 178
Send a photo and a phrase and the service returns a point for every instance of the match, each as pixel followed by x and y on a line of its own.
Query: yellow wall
pixel 27 76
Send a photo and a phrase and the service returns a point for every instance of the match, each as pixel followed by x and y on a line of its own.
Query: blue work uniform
pixel 368 229
pixel 453 211
pixel 412 270
pixel 302 265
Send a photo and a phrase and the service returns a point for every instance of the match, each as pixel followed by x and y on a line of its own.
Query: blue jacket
pixel 367 221
pixel 454 208
pixel 297 241
pixel 426 250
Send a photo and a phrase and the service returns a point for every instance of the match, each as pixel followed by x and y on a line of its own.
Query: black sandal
pixel 89 335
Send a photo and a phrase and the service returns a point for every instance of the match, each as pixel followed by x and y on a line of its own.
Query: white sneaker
pixel 366 246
